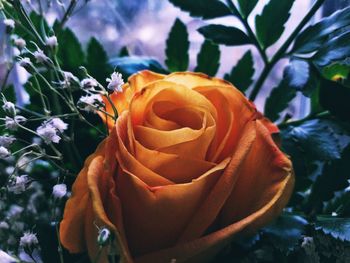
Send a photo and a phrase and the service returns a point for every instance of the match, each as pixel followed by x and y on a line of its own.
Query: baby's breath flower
pixel 40 56
pixel 115 82
pixel 103 236
pixel 6 258
pixel 4 152
pixel 9 23
pixel 59 191
pixel 12 123
pixel 48 133
pixel 29 239
pixel 69 80
pixel 90 102
pixel 20 43
pixel 9 108
pixel 4 225
pixel 89 83
pixel 58 124
pixel 19 185
pixel 52 42
pixel 6 141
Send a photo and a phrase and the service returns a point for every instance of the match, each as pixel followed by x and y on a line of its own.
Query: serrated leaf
pixel 246 6
pixel 97 61
pixel 286 231
pixel 278 100
pixel 208 59
pixel 340 203
pixel 270 24
pixel 337 227
pixel 334 50
pixel 204 8
pixel 70 54
pixel 130 65
pixel 177 46
pixel 242 73
pixel 226 35
pixel 313 37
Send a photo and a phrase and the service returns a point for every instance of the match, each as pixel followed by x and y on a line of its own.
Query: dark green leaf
pixel 246 6
pixel 286 231
pixel 70 52
pixel 124 52
pixel 208 59
pixel 314 36
pixel 340 203
pixel 130 65
pixel 278 100
pixel 336 71
pixel 335 97
pixel 334 50
pixel 270 24
pixel 242 74
pixel 177 46
pixel 204 8
pixel 97 61
pixel 337 227
pixel 219 34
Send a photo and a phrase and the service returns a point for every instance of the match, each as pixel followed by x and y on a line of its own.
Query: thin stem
pixel 323 114
pixel 60 249
pixel 279 54
pixel 250 32
pixel 68 13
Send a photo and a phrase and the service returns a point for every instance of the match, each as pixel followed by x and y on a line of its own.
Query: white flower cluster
pixel 28 239
pixel 59 190
pixel 116 82
pixel 5 142
pixel 90 102
pixel 49 130
pixel 19 185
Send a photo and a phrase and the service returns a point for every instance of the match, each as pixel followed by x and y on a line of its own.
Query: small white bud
pixel 19 185
pixel 40 56
pixel 48 133
pixel 9 23
pixel 59 191
pixel 103 236
pixel 28 240
pixel 4 153
pixel 89 103
pixel 116 82
pixel 20 43
pixel 58 124
pixel 6 141
pixel 12 123
pixel 52 42
pixel 9 108
pixel 89 83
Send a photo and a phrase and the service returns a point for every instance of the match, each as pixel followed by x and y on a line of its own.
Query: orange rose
pixel 188 165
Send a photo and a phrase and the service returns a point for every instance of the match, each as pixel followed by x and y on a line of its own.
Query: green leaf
pixel 130 65
pixel 97 61
pixel 339 228
pixel 241 75
pixel 335 71
pixel 124 52
pixel 70 52
pixel 335 97
pixel 246 6
pixel 177 46
pixel 334 50
pixel 208 59
pixel 204 8
pixel 278 100
pixel 286 231
pixel 270 24
pixel 314 36
pixel 340 203
pixel 219 34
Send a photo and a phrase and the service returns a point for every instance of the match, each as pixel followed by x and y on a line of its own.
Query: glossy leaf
pixel 314 36
pixel 242 73
pixel 278 100
pixel 246 6
pixel 226 35
pixel 204 8
pixel 208 59
pixel 97 61
pixel 177 46
pixel 336 49
pixel 270 24
pixel 337 227
pixel 130 65
pixel 286 231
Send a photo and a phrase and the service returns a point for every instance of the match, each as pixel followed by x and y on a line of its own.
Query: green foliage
pixel 97 61
pixel 177 46
pixel 270 24
pixel 314 36
pixel 337 227
pixel 208 58
pixel 204 8
pixel 241 75
pixel 246 6
pixel 278 100
pixel 226 35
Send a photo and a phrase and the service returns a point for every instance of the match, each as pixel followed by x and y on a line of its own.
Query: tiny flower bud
pixel 20 43
pixel 28 240
pixel 9 108
pixel 6 141
pixel 10 25
pixel 89 103
pixel 52 42
pixel 40 57
pixel 115 82
pixel 103 236
pixel 19 184
pixel 59 191
pixel 4 153
pixel 12 123
pixel 88 83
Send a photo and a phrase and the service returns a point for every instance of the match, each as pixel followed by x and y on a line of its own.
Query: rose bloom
pixel 189 165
